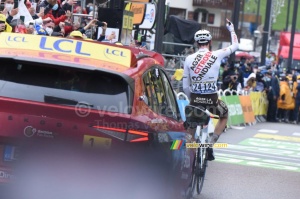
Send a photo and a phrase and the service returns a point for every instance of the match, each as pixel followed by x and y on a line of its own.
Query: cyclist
pixel 201 71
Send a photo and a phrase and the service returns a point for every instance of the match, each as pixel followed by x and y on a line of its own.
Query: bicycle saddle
pixel 196 115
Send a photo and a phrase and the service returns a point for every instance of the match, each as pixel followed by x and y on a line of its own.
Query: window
pixel 178 12
pixel 172 110
pixel 160 94
pixel 150 92
pixel 154 89
pixel 204 17
pixel 211 18
pixel 65 86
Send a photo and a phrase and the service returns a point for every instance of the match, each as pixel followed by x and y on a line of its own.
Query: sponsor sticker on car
pixel 78 48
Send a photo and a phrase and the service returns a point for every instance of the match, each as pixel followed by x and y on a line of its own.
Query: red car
pixel 58 96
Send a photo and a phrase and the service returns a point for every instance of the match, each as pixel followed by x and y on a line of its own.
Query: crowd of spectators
pixel 281 88
pixel 57 18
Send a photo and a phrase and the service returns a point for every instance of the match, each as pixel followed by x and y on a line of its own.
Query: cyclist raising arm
pixel 200 77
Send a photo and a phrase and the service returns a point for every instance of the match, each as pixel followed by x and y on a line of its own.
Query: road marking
pixel 257 164
pixel 237 127
pixel 282 152
pixel 296 134
pixel 274 144
pixel 258 154
pixel 267 131
pixel 257 159
pixel 277 137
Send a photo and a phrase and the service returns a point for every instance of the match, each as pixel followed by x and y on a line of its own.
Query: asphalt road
pixel 261 162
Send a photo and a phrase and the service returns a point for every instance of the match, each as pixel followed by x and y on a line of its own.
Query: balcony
pixel 220 33
pixel 219 4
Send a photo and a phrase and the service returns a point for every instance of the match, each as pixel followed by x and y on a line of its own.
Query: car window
pixel 155 91
pixel 172 110
pixel 65 86
pixel 150 92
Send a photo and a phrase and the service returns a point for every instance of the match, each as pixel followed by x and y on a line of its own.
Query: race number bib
pixel 205 87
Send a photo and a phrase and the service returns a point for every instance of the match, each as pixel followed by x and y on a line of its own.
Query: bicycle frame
pixel 200 161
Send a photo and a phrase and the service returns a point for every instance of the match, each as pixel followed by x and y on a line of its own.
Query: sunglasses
pixel 2 22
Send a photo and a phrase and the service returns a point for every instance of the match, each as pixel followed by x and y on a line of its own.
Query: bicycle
pixel 198 117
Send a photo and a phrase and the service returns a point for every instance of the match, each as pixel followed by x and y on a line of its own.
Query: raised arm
pixel 234 41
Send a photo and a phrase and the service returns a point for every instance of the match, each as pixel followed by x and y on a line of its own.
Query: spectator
pixel 297 103
pixel 30 28
pixel 4 26
pixel 9 11
pixel 273 90
pixel 250 82
pixel 223 71
pixel 84 30
pixel 260 83
pixel 285 102
pixel 45 29
pixel 34 14
pixel 102 35
pixel 294 85
pixel 231 82
pixel 76 35
pixel 244 62
pixel 248 70
pixel 57 14
pixel 47 5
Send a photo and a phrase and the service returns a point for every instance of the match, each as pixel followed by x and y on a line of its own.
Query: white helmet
pixel 202 36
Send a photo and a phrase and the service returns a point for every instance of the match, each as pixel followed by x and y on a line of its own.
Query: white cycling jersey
pixel 201 69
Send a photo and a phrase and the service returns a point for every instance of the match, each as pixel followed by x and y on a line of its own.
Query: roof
pixel 66 50
pixel 284 52
pixel 88 54
pixel 285 39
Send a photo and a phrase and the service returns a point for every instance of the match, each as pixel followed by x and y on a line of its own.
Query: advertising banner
pixel 247 109
pixel 138 10
pixel 149 18
pixel 235 110
pixel 126 34
pixel 255 100
pixel 259 103
pixel 263 104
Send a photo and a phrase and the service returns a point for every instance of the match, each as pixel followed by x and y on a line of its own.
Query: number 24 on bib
pixel 205 87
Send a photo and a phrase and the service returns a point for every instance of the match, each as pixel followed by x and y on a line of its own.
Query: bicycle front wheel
pixel 201 170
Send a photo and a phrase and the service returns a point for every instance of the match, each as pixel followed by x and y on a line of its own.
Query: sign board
pixel 149 18
pixel 246 44
pixel 111 35
pixel 138 10
pixel 127 27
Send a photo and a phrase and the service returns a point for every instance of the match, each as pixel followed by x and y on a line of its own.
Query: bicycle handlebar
pixel 211 115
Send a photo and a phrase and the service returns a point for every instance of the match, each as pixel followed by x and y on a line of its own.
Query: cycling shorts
pixel 211 102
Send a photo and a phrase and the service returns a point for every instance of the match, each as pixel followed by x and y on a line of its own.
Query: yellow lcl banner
pixel 58 45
